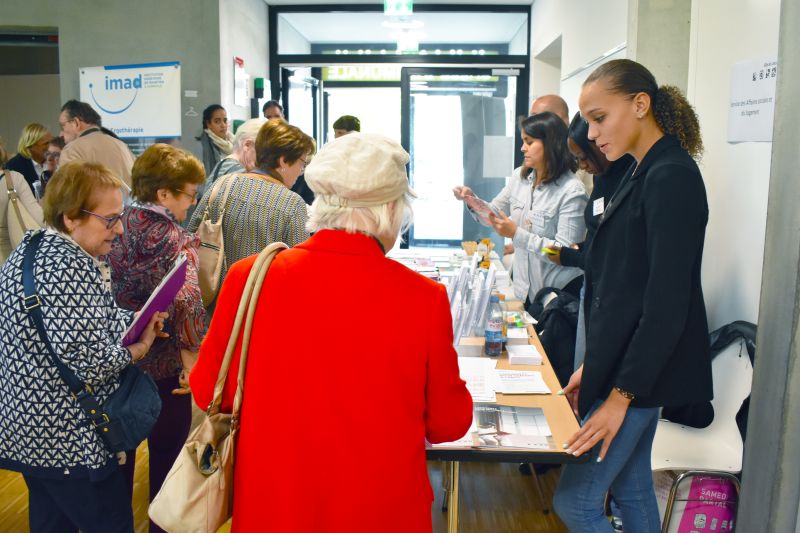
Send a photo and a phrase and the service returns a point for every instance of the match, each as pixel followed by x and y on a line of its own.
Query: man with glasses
pixel 86 140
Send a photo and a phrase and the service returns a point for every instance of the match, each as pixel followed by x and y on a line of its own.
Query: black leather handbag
pixel 129 414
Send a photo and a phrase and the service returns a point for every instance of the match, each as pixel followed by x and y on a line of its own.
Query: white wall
pixel 242 33
pixel 725 32
pixel 26 99
pixel 291 41
pixel 588 29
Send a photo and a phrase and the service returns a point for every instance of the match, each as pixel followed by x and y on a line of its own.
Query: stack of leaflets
pixel 506 427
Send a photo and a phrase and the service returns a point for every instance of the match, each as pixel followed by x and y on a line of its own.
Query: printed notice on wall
pixel 752 105
pixel 136 101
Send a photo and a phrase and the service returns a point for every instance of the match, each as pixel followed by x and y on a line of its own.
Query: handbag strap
pixel 32 303
pixel 13 198
pixel 215 191
pixel 247 304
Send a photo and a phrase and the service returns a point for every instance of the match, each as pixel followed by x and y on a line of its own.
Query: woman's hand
pixel 602 425
pixel 461 191
pixel 154 329
pixel 503 225
pixel 188 359
pixel 573 389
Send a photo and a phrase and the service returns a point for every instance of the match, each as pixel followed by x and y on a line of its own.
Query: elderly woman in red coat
pixel 351 363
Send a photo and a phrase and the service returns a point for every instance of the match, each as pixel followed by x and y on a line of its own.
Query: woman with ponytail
pixel 646 328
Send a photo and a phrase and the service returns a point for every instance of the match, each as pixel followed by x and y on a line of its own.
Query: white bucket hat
pixel 359 170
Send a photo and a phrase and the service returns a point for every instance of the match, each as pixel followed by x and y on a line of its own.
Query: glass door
pixel 301 91
pixel 459 127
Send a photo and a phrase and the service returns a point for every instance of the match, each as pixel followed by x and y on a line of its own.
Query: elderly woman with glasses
pixel 165 181
pixel 74 481
pixel 258 206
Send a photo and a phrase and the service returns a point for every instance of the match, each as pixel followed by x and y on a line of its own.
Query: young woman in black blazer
pixel 646 328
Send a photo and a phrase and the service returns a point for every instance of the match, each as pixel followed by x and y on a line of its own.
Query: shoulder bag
pixel 128 415
pixel 212 243
pixel 197 494
pixel 18 219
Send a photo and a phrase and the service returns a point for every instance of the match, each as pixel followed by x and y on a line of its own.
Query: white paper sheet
pixel 520 382
pixel 477 372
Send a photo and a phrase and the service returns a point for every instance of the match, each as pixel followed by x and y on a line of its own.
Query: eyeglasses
pixel 190 195
pixel 110 221
pixel 304 164
pixel 63 124
pixel 53 155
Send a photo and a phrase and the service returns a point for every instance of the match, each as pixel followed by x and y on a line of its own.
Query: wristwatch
pixel 625 394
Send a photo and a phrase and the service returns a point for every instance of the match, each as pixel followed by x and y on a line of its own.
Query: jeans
pixel 580 332
pixel 626 470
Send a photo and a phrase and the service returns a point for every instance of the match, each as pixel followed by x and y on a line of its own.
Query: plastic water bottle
pixel 504 312
pixel 494 328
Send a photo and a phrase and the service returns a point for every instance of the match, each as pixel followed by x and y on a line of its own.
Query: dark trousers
pixel 166 440
pixel 66 505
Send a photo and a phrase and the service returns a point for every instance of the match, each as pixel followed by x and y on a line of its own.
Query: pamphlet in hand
pixel 480 209
pixel 160 300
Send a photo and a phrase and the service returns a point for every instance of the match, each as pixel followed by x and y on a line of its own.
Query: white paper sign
pixel 241 83
pixel 142 100
pixel 498 156
pixel 752 105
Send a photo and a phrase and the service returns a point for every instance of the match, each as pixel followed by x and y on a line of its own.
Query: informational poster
pixel 136 101
pixel 752 104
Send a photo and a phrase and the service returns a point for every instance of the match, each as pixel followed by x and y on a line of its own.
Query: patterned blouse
pixel 258 213
pixel 139 259
pixel 43 431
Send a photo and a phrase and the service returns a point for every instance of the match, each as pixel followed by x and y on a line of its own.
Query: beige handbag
pixel 212 243
pixel 197 494
pixel 18 218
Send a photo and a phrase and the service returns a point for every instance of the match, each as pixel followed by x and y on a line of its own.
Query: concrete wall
pixel 243 33
pixel 658 36
pixel 26 99
pixel 115 32
pixel 736 175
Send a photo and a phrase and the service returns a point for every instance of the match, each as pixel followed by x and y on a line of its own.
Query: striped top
pixel 258 213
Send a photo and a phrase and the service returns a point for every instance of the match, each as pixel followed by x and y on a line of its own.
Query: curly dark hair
pixel 673 113
pixel 551 130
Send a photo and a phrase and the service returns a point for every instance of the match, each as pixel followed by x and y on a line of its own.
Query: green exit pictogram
pixel 398 8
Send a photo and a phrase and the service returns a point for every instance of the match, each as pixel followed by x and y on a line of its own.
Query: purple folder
pixel 159 300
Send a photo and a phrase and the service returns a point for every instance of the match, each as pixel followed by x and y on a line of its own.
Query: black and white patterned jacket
pixel 43 432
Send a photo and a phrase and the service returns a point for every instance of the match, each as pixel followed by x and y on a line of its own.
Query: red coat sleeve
pixel 212 350
pixel 448 410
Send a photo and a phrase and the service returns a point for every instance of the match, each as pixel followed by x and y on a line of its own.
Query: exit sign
pixel 398 8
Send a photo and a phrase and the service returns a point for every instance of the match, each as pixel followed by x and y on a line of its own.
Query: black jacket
pixel 604 187
pixel 646 324
pixel 23 165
